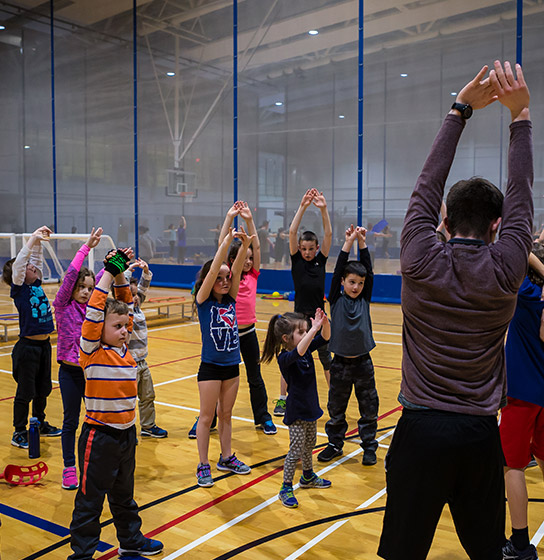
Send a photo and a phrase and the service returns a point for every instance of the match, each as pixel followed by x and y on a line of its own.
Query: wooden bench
pixel 163 305
pixel 8 320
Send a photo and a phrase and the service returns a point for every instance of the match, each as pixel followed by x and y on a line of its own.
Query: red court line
pixel 174 361
pixel 175 340
pixel 224 497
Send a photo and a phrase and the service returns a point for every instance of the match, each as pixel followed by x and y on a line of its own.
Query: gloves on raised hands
pixel 116 262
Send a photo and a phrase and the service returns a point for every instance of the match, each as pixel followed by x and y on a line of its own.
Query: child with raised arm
pixel 138 350
pixel 70 304
pixel 522 419
pixel 246 315
pixel 107 442
pixel 218 377
pixel 308 268
pixel 290 334
pixel 31 354
pixel 351 341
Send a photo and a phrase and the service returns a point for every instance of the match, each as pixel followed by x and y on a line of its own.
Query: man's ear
pixel 495 225
pixel 447 225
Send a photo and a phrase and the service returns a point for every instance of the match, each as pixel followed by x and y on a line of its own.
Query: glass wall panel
pixel 185 128
pixel 298 115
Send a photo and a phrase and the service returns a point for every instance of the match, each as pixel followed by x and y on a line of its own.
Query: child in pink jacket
pixel 70 305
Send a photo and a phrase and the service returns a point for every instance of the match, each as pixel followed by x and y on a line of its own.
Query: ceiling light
pixel 404 75
pixel 279 103
pixel 170 73
pixel 27 147
pixel 2 27
pixel 313 32
pixel 341 117
pixel 453 93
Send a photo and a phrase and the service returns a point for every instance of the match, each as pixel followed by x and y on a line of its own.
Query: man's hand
pixel 512 92
pixel 94 238
pixel 478 93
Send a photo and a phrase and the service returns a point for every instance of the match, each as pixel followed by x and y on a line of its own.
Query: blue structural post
pixel 519 32
pixel 53 131
pixel 135 95
pixel 235 101
pixel 360 119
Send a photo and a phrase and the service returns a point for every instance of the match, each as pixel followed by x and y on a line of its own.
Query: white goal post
pixel 60 248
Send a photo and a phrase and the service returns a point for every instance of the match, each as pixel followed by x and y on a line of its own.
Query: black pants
pixel 437 458
pixel 106 466
pixel 348 373
pixel 249 348
pixel 32 372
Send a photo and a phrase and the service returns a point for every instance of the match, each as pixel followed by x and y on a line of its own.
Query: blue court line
pixel 43 524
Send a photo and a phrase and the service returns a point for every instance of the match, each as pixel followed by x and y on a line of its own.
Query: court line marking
pixel 154 329
pixel 43 524
pixel 258 508
pixel 333 528
pixel 538 535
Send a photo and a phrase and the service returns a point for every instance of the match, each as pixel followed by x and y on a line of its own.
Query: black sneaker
pixel 369 457
pixel 20 439
pixel 49 431
pixel 510 552
pixel 329 453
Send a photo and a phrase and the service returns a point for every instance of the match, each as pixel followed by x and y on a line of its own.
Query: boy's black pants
pixel 357 373
pixel 106 467
pixel 32 372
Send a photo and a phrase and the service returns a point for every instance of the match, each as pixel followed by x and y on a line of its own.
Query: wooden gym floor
pixel 240 517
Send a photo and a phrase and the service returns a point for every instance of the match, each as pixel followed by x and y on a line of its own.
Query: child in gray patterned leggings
pixel 289 333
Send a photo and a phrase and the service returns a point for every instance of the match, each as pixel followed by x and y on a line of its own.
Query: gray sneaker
pixel 204 475
pixel 510 552
pixel 232 464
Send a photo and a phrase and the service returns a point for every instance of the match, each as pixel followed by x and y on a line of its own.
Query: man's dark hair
pixel 472 205
pixel 354 267
pixel 308 236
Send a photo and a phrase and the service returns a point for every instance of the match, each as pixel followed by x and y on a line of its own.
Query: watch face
pixel 467 112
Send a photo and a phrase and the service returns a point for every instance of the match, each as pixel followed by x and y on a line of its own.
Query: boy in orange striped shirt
pixel 108 435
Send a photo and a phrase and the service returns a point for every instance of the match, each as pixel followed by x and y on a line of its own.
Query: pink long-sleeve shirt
pixel 69 313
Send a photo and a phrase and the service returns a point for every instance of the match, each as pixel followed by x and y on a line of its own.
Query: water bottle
pixel 34 439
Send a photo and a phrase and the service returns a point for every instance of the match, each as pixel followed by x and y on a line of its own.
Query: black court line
pixel 168 497
pixel 296 528
pixel 156 502
pixel 317 522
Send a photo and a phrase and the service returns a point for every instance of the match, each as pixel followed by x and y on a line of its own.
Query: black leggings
pixel 249 348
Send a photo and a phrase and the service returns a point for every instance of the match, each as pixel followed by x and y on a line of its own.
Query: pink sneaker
pixel 69 478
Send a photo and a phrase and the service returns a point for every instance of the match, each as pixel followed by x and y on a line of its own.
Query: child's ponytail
pixel 272 344
pixel 279 326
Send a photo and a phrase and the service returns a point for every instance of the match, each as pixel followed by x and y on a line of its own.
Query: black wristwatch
pixel 464 108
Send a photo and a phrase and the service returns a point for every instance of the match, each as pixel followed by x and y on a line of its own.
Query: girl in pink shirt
pixel 245 313
pixel 70 305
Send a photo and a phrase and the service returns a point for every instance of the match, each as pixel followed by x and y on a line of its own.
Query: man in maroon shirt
pixel 457 301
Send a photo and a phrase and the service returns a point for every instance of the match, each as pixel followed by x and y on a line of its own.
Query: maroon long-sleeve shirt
pixel 458 298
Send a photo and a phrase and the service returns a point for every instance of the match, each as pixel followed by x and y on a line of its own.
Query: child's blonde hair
pixel 279 326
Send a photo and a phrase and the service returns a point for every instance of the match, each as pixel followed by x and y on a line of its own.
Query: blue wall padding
pixel 386 286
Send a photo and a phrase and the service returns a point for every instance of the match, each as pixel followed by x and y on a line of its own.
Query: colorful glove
pixel 117 263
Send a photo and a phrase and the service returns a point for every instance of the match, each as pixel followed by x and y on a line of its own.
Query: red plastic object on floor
pixel 24 476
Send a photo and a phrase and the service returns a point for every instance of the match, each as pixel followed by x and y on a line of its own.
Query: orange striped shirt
pixel 110 372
